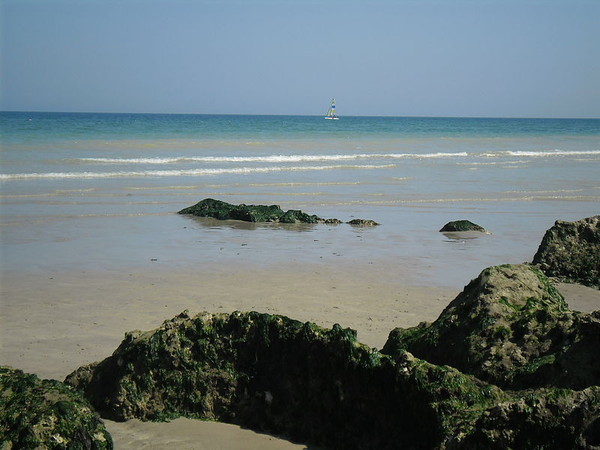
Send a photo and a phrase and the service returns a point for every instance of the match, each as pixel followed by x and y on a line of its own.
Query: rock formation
pixel 570 251
pixel 279 375
pixel 249 213
pixel 218 209
pixel 38 414
pixel 317 385
pixel 462 225
pixel 512 328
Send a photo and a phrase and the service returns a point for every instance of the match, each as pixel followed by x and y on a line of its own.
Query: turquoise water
pixel 100 191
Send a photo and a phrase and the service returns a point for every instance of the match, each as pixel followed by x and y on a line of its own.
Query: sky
pixel 459 58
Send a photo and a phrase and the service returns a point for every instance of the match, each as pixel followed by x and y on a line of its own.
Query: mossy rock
pixel 275 374
pixel 362 223
pixel 48 414
pixel 321 386
pixel 546 418
pixel 297 216
pixel 509 327
pixel 570 251
pixel 462 225
pixel 249 213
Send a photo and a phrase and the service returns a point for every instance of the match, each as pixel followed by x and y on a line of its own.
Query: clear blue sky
pixel 500 58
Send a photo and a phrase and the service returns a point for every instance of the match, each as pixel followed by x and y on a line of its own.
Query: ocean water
pixel 100 192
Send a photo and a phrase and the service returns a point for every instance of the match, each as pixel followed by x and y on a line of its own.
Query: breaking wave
pixel 267 158
pixel 283 159
pixel 184 172
pixel 543 153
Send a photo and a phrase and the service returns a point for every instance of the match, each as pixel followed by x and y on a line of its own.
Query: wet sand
pixel 52 323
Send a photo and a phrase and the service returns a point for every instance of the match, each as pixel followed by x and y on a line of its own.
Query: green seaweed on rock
pixel 248 213
pixel 512 328
pixel 275 374
pixel 570 251
pixel 462 225
pixel 38 413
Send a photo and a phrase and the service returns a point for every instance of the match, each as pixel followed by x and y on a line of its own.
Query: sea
pixel 101 192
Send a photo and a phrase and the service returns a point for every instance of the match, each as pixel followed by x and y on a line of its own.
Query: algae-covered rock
pixel 276 374
pixel 363 222
pixel 512 328
pixel 571 251
pixel 462 225
pixel 297 216
pixel 546 418
pixel 38 414
pixel 249 213
pixel 322 386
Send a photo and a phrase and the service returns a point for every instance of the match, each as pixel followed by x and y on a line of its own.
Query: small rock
pixel 363 222
pixel 462 225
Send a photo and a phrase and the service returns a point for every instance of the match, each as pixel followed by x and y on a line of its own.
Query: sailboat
pixel 331 112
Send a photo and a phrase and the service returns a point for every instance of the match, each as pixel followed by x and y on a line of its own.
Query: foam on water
pixel 178 173
pixel 549 153
pixel 267 159
pixel 301 158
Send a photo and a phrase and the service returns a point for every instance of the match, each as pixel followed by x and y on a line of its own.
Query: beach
pixel 92 246
pixel 53 325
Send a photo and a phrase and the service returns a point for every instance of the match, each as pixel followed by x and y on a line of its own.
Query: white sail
pixel 331 114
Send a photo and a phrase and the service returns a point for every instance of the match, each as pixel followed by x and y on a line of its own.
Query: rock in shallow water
pixel 362 222
pixel 249 213
pixel 462 225
pixel 570 251
pixel 218 209
pixel 38 413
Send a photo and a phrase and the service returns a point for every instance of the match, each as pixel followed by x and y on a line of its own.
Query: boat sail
pixel 331 112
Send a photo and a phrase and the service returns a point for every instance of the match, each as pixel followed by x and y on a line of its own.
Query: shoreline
pixel 54 323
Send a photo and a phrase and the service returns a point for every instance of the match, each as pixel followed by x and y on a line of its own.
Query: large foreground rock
pixel 276 374
pixel 36 414
pixel 571 251
pixel 512 328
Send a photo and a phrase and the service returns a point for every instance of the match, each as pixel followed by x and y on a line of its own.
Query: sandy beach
pixel 54 323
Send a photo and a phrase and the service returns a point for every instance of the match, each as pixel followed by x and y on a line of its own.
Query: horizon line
pixel 298 115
